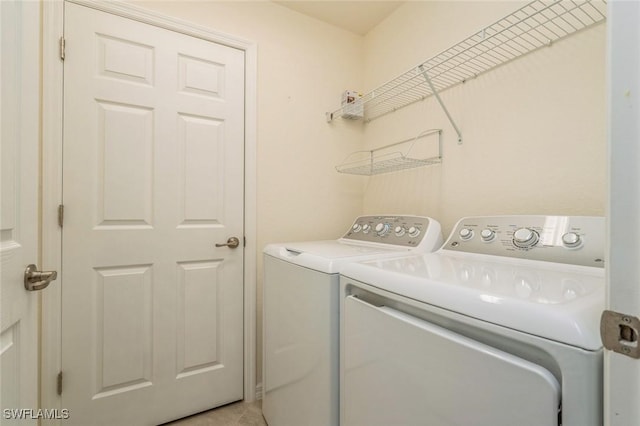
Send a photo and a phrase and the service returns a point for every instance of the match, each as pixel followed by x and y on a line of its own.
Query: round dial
pixel 366 228
pixel 466 234
pixel 382 228
pixel 356 228
pixel 525 238
pixel 413 232
pixel 571 240
pixel 487 234
pixel 400 231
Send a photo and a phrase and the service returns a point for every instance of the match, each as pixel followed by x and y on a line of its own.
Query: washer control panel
pixel 404 231
pixel 578 240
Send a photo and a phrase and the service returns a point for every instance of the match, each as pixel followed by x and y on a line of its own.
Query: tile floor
pixel 236 414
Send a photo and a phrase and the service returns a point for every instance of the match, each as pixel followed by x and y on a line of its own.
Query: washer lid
pixel 557 302
pixel 330 256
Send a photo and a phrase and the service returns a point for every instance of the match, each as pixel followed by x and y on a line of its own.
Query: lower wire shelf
pixel 384 160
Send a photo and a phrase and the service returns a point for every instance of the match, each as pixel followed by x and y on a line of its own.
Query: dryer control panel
pixel 403 231
pixel 578 240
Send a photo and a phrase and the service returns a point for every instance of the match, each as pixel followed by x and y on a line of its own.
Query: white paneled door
pixel 19 174
pixel 152 310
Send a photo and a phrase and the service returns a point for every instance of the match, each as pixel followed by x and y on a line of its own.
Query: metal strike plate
pixel 619 333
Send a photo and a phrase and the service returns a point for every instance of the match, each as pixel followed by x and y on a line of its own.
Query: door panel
pixel 153 179
pixel 198 347
pixel 123 328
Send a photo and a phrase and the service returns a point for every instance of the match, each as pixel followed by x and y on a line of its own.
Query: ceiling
pixel 356 16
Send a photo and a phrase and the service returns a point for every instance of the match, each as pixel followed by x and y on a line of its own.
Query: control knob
pixel 382 229
pixel 466 234
pixel 487 235
pixel 366 228
pixel 400 231
pixel 413 231
pixel 525 238
pixel 356 228
pixel 571 240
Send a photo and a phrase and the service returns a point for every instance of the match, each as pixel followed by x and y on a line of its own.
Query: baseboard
pixel 259 391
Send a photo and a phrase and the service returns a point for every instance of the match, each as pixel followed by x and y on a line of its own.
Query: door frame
pixel 52 130
pixel 622 373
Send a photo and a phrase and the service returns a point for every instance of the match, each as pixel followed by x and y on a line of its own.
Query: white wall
pixel 304 65
pixel 534 129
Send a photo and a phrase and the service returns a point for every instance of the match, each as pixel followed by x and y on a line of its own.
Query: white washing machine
pixel 500 327
pixel 301 313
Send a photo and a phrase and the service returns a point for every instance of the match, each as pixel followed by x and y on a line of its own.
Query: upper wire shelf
pixel 531 27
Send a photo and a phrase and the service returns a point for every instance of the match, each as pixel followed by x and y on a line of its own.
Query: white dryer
pixel 301 313
pixel 500 327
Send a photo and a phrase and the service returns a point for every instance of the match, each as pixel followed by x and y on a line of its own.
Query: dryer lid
pixel 329 256
pixel 557 302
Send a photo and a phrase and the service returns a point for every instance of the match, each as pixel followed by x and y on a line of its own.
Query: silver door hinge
pixel 59 384
pixel 62 48
pixel 619 333
pixel 61 215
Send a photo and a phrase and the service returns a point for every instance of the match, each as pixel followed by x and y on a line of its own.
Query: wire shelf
pixel 382 160
pixel 535 25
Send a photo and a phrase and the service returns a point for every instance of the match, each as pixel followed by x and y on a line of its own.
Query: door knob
pixel 35 280
pixel 232 243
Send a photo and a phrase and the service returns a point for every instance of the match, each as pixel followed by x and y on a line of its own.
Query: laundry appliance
pixel 500 327
pixel 301 312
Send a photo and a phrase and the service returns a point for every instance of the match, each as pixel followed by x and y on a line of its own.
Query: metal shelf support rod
pixel 444 108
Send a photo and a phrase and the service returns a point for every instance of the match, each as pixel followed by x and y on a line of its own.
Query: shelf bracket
pixel 444 108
